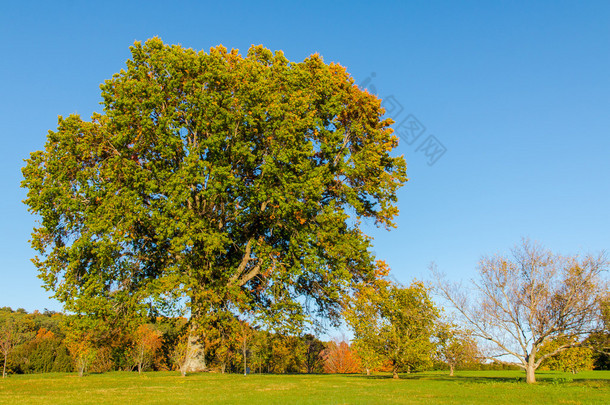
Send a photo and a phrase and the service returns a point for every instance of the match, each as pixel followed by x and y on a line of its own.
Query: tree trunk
pixel 529 372
pixel 245 358
pixel 395 373
pixel 195 353
pixel 4 369
pixel 451 370
pixel 368 371
pixel 530 366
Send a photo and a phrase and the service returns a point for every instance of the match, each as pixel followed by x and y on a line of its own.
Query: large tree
pixel 216 182
pixel 521 302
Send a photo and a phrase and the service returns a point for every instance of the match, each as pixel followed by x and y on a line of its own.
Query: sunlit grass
pixel 468 387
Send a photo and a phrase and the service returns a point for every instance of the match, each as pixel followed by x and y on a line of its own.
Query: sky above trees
pixel 518 95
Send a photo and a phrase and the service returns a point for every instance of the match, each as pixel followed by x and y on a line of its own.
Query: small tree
pixel 287 354
pixel 396 322
pixel 147 341
pixel 89 339
pixel 226 341
pixel 8 337
pixel 409 318
pixel 521 302
pixel 179 354
pixel 260 349
pixel 245 335
pixel 313 353
pixel 15 329
pixel 362 315
pixel 456 347
pixel 370 359
pixel 83 351
pixel 340 358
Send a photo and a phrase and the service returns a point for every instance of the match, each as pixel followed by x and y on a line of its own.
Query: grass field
pixel 474 387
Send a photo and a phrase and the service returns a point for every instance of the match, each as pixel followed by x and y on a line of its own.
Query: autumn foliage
pixel 339 357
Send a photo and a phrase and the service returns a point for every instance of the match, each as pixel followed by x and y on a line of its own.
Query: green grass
pixel 467 387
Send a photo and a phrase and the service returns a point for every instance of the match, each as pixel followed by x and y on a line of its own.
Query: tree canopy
pixel 217 182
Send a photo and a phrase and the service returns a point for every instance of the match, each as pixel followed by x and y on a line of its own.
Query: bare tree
pixel 520 302
pixel 245 334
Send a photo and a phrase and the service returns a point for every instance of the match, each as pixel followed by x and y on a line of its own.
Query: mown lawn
pixel 475 387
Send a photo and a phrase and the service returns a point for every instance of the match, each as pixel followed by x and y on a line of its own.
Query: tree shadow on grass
pixel 541 377
pixel 455 379
pixel 435 377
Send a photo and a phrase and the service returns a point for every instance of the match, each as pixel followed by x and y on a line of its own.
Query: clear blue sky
pixel 517 93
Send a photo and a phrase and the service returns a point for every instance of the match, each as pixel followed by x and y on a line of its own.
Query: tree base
pixel 194 361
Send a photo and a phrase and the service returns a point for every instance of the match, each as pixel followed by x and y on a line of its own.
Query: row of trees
pixel 47 342
pixel 396 328
pixel 44 342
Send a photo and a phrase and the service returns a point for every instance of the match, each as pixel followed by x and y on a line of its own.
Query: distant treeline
pixel 39 342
